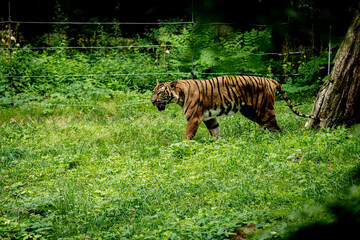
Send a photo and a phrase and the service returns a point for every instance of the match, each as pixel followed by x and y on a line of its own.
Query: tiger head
pixel 164 93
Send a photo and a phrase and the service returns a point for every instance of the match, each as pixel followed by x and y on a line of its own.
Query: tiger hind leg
pixel 213 127
pixel 269 120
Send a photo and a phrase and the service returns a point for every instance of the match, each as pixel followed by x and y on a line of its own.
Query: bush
pixel 207 49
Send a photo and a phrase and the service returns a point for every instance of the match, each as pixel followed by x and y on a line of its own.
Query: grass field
pixel 122 171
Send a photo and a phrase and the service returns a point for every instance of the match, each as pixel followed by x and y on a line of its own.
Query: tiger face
pixel 163 94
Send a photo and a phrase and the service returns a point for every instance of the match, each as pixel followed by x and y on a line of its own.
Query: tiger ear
pixel 158 81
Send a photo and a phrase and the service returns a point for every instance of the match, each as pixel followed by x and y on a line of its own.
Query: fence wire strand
pixel 192 73
pixel 98 75
pixel 95 23
pixel 77 105
pixel 74 47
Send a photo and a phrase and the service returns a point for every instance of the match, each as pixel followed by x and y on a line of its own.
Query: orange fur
pixel 205 100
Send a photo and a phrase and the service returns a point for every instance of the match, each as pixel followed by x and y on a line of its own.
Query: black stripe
pixel 228 109
pixel 264 96
pixel 247 88
pixel 235 109
pixel 222 110
pixel 204 84
pixel 212 93
pixel 242 94
pixel 243 83
pixel 185 112
pixel 200 101
pixel 269 92
pixel 269 119
pixel 227 97
pixel 181 93
pixel 206 88
pixel 252 90
pixel 227 89
pixel 189 87
pixel 188 93
pixel 234 94
pixel 257 92
pixel 171 98
pixel 219 90
pixel 192 112
pixel 196 83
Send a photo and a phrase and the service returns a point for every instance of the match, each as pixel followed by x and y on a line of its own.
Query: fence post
pixel 11 76
pixel 192 39
pixel 329 56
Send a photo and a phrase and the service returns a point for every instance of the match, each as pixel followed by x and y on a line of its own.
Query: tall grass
pixel 123 172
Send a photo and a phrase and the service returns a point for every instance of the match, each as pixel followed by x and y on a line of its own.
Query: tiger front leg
pixel 213 127
pixel 191 128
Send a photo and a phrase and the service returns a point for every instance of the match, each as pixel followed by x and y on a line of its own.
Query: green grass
pixel 123 172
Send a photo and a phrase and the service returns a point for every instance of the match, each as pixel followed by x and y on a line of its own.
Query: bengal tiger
pixel 205 100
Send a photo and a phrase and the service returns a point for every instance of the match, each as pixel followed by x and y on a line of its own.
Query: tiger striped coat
pixel 205 100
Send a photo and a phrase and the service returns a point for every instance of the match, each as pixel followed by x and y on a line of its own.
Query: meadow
pixel 113 167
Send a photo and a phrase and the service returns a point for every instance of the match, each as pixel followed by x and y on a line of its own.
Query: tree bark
pixel 338 101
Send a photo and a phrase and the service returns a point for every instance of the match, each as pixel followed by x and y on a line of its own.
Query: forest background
pixel 285 40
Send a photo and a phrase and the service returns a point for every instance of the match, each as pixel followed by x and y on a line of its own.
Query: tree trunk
pixel 338 101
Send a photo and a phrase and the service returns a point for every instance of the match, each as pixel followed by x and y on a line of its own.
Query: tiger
pixel 205 100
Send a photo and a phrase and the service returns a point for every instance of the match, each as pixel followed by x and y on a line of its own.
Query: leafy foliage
pixel 212 50
pixel 344 216
pixel 208 50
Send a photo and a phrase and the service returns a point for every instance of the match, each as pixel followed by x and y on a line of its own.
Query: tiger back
pixel 205 100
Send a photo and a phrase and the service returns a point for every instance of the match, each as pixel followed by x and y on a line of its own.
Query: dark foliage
pixel 345 223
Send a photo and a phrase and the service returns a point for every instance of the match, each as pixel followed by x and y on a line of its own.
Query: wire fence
pixel 12 77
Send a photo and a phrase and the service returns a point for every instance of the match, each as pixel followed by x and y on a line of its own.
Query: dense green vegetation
pixel 48 73
pixel 83 154
pixel 121 171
